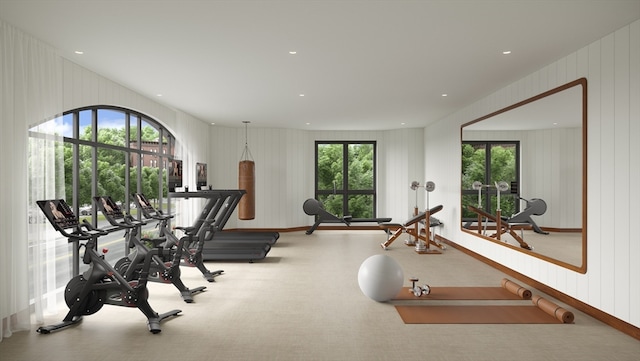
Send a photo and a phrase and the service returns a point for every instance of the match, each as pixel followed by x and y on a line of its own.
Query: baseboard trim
pixel 599 315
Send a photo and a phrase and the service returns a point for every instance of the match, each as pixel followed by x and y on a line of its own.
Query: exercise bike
pixel 100 284
pixel 165 266
pixel 191 257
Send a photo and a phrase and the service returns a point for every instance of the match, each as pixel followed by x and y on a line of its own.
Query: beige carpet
pixel 303 303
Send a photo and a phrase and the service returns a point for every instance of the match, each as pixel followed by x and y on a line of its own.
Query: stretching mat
pixel 508 291
pixel 542 311
pixel 474 315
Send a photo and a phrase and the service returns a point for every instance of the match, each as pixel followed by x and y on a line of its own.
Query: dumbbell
pixel 418 291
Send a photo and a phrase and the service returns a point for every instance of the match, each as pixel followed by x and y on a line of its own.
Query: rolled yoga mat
pixel 552 309
pixel 515 288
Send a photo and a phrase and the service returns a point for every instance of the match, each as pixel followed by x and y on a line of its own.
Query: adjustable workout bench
pixel 314 207
pixel 411 227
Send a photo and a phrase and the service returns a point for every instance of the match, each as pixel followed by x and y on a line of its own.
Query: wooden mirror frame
pixel 579 82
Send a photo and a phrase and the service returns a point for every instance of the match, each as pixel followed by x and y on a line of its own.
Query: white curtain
pixel 30 93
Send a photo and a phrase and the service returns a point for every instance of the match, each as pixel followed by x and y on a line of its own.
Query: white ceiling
pixel 360 64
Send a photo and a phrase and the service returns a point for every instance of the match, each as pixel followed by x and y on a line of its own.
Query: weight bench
pixel 314 207
pixel 411 227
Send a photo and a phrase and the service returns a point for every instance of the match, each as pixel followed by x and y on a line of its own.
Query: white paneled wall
pixel 612 68
pixel 85 88
pixel 285 170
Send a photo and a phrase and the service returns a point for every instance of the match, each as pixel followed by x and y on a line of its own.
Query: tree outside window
pixel 345 177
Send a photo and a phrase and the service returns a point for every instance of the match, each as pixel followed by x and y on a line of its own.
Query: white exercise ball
pixel 380 277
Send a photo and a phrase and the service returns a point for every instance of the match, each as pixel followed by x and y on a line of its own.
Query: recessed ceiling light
pixel 403 123
pixel 445 94
pixel 301 95
pixel 79 52
pixel 308 123
pixel 213 123
pixel 158 95
pixel 293 52
pixel 506 52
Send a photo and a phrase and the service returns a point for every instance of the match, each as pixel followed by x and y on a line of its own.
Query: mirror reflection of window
pixel 550 131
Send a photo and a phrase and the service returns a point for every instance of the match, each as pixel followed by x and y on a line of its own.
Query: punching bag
pixel 247 181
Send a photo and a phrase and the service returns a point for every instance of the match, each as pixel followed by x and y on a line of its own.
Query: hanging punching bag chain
pixel 246 181
pixel 246 153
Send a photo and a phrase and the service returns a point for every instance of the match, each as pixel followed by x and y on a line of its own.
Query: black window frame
pixel 344 190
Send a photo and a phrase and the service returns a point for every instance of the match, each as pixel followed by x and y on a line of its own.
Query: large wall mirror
pixel 524 176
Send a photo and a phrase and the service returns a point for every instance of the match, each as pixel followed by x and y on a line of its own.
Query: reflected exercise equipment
pixel 502 226
pixel 100 284
pixel 552 168
pixel 535 207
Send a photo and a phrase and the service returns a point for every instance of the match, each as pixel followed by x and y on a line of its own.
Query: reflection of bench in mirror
pixel 314 207
pixel 504 226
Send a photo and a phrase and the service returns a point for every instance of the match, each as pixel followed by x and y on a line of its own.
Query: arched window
pixel 99 151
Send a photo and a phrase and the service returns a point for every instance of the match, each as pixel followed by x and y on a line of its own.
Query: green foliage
pixel 330 171
pixel 149 134
pixel 361 206
pixel 473 165
pixel 360 166
pixel 502 168
pixel 111 166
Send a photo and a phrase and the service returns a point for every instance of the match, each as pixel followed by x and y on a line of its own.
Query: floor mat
pixel 475 315
pixel 460 293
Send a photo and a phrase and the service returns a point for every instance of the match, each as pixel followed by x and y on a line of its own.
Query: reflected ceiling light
pixel 79 52
pixel 301 95
pixel 506 52
pixel 293 52
pixel 445 94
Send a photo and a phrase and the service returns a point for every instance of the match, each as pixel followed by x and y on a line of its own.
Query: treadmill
pixel 218 208
pixel 223 215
